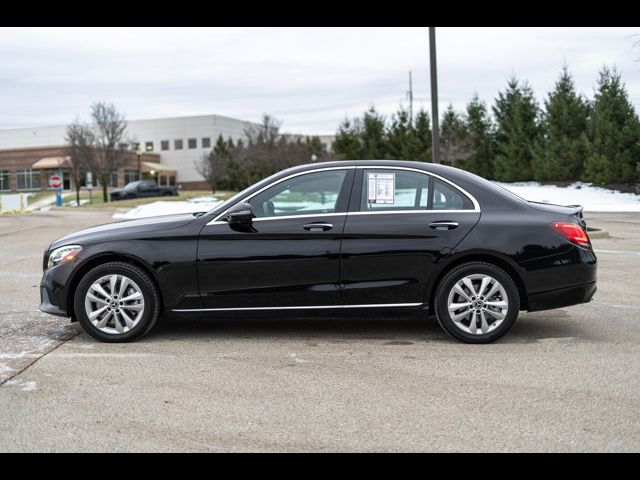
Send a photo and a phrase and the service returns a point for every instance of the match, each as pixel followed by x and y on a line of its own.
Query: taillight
pixel 572 232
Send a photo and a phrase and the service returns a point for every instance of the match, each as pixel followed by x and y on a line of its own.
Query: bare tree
pixel 109 126
pixel 81 148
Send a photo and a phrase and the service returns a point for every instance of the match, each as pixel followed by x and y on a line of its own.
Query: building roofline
pixel 137 120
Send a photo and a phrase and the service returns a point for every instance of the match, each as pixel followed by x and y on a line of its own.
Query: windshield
pixel 132 185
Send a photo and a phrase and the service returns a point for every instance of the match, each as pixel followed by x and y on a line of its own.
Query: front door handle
pixel 318 227
pixel 443 225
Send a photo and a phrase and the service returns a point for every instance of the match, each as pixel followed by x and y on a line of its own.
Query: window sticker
pixel 381 188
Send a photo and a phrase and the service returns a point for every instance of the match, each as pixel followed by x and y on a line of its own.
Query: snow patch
pixel 25 386
pixel 593 199
pixel 196 204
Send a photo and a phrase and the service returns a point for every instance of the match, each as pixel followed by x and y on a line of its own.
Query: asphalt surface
pixel 561 380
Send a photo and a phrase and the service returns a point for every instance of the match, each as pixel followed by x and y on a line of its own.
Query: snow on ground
pixel 196 204
pixel 593 199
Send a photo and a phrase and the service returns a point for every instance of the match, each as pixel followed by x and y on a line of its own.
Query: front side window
pixel 388 190
pixel 312 193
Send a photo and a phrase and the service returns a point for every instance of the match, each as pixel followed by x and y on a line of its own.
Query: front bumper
pixel 54 289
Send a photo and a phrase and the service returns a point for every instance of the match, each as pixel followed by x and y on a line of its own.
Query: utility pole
pixel 435 137
pixel 410 93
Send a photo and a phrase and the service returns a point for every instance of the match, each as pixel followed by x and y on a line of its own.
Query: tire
pixel 491 314
pixel 138 302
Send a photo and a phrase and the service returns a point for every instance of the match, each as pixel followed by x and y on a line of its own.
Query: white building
pixel 179 141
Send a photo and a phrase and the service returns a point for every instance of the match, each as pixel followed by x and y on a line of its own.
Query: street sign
pixel 55 181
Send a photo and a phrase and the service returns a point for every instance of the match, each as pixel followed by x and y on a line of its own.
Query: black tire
pixel 448 282
pixel 148 289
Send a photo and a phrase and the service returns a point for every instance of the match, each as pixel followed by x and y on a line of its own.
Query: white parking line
pixel 627 252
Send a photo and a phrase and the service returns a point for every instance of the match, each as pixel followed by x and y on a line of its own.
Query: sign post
pixel 55 181
pixel 89 183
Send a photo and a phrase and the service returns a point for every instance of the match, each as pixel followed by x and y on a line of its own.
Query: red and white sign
pixel 55 181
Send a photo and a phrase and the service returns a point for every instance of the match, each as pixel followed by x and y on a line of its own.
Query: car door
pixel 401 223
pixel 147 189
pixel 288 256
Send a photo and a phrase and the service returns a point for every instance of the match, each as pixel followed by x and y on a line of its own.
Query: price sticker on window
pixel 381 188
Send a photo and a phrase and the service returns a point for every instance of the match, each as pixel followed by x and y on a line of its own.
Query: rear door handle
pixel 318 227
pixel 443 225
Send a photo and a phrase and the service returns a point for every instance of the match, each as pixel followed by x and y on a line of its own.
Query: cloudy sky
pixel 310 78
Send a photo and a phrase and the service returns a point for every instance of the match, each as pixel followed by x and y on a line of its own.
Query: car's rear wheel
pixel 477 302
pixel 116 302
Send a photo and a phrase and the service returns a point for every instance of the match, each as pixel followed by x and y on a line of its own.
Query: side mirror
pixel 241 213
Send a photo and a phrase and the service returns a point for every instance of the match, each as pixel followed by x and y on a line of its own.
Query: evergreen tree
pixel 420 141
pixel 480 139
pixel 454 145
pixel 516 113
pixel 347 144
pixel 373 135
pixel 614 132
pixel 562 148
pixel 400 136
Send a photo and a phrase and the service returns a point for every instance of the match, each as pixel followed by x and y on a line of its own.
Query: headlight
pixel 63 254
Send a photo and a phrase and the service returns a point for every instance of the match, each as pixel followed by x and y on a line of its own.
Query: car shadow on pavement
pixel 528 329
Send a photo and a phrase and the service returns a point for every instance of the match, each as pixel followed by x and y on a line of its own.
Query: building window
pixel 193 143
pixel 123 146
pixel 162 179
pixel 324 146
pixel 113 179
pixel 5 176
pixel 148 146
pixel 131 176
pixel 172 180
pixel 206 142
pixel 164 145
pixel 27 179
pixel 177 144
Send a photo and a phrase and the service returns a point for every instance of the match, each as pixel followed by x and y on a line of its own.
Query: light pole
pixel 139 154
pixel 435 136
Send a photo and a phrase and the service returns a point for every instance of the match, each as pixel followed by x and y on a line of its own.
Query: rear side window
pixel 388 190
pixel 447 197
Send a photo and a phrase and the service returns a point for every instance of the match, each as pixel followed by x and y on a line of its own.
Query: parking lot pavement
pixel 561 380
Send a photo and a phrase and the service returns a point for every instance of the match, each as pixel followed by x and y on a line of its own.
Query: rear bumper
pixel 562 297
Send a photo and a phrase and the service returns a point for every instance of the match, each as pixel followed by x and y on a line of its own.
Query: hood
pixel 124 228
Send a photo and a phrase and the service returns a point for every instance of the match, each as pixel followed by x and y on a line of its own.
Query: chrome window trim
pixel 301 307
pixel 476 205
pixel 249 197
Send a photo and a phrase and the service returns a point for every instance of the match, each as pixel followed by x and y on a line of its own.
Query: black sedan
pixel 142 189
pixel 357 237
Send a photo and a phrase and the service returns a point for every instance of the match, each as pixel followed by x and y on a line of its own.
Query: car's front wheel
pixel 477 302
pixel 116 302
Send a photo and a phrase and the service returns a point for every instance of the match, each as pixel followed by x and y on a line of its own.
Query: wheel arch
pixel 495 258
pixel 99 260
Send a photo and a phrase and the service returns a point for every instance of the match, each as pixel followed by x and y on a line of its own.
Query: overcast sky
pixel 310 78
